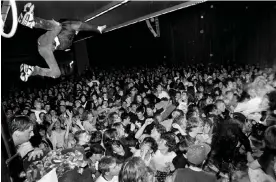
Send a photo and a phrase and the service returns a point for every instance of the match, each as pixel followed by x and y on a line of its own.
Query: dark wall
pixel 243 32
pixel 133 45
pixel 233 32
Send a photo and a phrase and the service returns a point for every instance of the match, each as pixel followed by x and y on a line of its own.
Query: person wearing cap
pixel 196 156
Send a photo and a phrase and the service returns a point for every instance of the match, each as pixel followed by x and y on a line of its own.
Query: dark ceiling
pixel 24 41
pixel 125 14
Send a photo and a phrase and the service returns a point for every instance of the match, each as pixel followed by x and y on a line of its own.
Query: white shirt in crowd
pixel 24 148
pixel 89 126
pixel 161 161
pixel 102 179
pixel 251 106
pixel 138 154
pixel 57 139
pixel 163 94
pixel 38 120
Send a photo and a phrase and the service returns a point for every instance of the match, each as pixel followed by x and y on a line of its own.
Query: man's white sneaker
pixel 26 17
pixel 25 72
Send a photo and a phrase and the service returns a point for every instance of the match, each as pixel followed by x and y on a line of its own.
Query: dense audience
pixel 198 123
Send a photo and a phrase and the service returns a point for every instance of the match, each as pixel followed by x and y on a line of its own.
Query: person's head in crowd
pixel 94 97
pixel 133 91
pixel 125 118
pixel 114 118
pixel 42 131
pixel 120 92
pixel 42 116
pixel 62 102
pixel 109 167
pixel 77 103
pixel 37 105
pixel 82 137
pixel 220 106
pixel 146 101
pixel 83 98
pixel 57 125
pixel 109 135
pixel 197 154
pixel 270 137
pixel 117 148
pixel 9 112
pixel 207 126
pixel 53 113
pixel 177 95
pixel 177 113
pixel 50 92
pixel 105 96
pixel 194 126
pixel 202 103
pixel 167 143
pixel 193 111
pixel 120 129
pixel 48 118
pixel 133 107
pixel 181 147
pixel 209 99
pixel 80 110
pixel 100 100
pixel 47 107
pixel 25 111
pixel 134 170
pixel 45 98
pixel 199 96
pixel 32 116
pixel 150 110
pixel 149 145
pixel 95 153
pixel 62 108
pixel 90 116
pixel 59 96
pixel 21 128
pixel 140 112
pixel 138 99
pixel 210 110
pixel 229 84
pixel 159 88
pixel 157 131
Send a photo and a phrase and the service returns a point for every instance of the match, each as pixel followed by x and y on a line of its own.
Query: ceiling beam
pixel 152 15
pixel 158 13
pixel 105 9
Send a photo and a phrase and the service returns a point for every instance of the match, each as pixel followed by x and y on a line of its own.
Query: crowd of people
pixel 200 123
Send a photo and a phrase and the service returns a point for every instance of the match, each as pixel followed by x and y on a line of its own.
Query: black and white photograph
pixel 138 91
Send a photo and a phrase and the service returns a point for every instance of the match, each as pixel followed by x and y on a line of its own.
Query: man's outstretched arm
pixel 81 26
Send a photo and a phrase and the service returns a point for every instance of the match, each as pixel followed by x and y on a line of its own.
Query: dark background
pixel 234 32
pixel 243 32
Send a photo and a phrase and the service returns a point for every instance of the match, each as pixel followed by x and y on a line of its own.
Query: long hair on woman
pixel 134 170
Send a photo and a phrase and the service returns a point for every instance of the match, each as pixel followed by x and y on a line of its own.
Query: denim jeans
pixel 46 48
pixel 46 42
